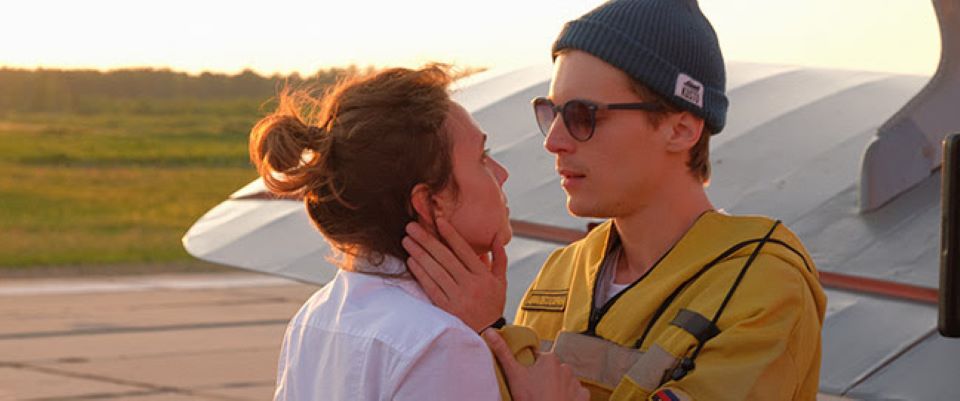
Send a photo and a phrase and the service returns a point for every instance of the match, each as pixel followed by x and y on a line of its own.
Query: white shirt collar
pixel 391 265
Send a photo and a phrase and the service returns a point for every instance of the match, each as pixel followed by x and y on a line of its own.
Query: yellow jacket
pixel 768 343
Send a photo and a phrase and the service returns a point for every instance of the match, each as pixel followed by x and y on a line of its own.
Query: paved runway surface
pixel 144 338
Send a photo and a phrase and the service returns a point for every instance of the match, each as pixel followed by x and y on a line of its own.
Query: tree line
pixel 55 90
pixel 93 91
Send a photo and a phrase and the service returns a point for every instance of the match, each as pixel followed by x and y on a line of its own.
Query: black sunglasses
pixel 580 116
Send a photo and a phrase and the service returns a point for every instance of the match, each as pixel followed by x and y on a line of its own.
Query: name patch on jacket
pixel 546 300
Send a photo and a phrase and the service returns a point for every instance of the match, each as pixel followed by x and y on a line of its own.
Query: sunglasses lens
pixel 543 108
pixel 579 119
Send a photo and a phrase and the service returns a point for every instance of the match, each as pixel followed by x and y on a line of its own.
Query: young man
pixel 669 299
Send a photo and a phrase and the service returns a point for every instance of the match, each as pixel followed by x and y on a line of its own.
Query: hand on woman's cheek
pixel 455 278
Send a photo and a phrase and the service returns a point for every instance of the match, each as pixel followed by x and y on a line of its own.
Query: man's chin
pixel 580 209
pixel 577 209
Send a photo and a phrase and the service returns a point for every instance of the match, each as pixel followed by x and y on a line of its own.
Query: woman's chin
pixel 504 238
pixel 483 247
pixel 507 235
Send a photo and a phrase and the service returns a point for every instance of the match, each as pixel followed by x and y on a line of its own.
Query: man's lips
pixel 570 180
pixel 568 174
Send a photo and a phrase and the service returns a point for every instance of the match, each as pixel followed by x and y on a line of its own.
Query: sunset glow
pixel 303 36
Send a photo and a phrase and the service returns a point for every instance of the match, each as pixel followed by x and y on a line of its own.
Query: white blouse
pixel 366 337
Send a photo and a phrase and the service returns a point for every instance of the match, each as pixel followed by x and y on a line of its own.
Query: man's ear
pixel 685 131
pixel 423 204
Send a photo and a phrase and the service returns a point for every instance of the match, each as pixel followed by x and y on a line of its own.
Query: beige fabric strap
pixel 605 362
pixel 652 368
pixel 594 358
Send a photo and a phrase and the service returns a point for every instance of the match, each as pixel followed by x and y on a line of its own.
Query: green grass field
pixel 120 184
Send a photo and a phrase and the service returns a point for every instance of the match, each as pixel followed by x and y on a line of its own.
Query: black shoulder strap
pixel 687 364
pixel 720 258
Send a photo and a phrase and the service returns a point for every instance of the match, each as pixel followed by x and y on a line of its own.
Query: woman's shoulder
pixel 392 311
pixel 378 336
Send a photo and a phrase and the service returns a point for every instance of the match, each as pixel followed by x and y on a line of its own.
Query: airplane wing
pixel 847 159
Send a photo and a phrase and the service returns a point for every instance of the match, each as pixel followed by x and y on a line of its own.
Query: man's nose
pixel 558 139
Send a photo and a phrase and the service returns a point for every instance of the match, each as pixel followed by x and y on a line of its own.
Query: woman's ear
pixel 423 204
pixel 430 206
pixel 686 129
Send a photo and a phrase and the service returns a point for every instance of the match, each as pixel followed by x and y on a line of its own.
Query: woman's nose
pixel 500 172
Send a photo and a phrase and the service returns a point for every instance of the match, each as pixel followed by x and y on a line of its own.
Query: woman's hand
pixel 546 380
pixel 457 280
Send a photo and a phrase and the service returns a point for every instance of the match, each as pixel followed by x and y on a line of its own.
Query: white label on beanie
pixel 689 89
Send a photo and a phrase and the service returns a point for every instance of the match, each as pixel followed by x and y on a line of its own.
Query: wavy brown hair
pixel 355 153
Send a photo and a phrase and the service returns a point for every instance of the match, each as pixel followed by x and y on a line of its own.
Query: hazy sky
pixel 289 35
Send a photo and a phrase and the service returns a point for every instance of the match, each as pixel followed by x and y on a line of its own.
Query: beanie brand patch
pixel 689 89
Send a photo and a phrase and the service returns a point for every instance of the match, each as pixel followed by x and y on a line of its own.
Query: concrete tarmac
pixel 173 337
pixel 144 338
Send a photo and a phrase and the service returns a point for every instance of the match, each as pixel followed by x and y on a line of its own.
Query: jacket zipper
pixel 597 315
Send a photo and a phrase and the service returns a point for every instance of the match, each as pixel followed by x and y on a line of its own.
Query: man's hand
pixel 457 280
pixel 546 380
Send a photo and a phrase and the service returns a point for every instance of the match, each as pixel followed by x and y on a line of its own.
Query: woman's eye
pixel 486 153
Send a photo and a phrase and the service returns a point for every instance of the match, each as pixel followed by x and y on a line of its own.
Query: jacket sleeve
pixel 769 344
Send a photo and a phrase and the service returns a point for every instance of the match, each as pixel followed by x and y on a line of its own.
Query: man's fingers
pixel 583 394
pixel 547 379
pixel 434 292
pixel 498 266
pixel 460 247
pixel 501 351
pixel 569 377
pixel 440 276
pixel 443 255
pixel 574 388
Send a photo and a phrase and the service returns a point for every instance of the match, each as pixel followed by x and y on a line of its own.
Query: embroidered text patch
pixel 546 300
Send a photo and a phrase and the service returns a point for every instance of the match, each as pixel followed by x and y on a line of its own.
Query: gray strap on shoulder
pixel 696 324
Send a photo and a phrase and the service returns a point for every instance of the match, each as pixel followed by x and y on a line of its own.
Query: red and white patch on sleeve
pixel 669 394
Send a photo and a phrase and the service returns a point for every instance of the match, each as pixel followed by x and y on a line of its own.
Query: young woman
pixel 370 156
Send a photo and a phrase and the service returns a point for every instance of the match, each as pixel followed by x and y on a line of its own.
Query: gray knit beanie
pixel 667 45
